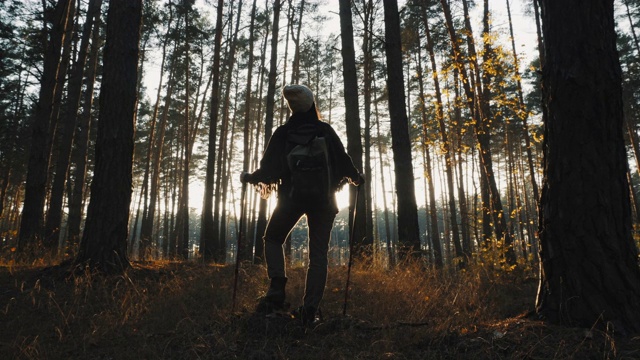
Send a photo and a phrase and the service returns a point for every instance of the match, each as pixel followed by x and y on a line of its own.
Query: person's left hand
pixel 245 177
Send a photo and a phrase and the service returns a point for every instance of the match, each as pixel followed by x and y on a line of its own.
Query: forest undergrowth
pixel 182 310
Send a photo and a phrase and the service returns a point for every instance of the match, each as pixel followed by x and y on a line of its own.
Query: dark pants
pixel 320 222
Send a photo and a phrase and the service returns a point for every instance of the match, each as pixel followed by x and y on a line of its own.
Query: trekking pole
pixel 240 242
pixel 351 234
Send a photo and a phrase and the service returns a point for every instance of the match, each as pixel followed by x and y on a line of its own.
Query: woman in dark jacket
pixel 275 174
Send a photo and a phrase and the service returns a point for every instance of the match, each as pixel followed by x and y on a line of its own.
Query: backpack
pixel 309 165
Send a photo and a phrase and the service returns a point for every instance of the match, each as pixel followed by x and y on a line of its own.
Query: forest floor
pixel 175 310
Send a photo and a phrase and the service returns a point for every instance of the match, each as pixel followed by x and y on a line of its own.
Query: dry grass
pixel 171 310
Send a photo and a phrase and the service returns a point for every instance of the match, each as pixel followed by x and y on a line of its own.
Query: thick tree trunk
pixel 104 243
pixel 590 273
pixel 408 229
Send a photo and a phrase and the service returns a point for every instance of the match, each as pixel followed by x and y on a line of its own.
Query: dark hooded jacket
pixel 274 174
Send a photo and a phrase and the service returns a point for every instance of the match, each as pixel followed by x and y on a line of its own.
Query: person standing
pixel 306 163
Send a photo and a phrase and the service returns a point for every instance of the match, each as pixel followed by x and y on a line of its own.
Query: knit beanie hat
pixel 299 97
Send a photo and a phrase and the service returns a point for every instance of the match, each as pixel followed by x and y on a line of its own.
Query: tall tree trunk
pixel 220 246
pixel 295 68
pixel 271 91
pixel 284 77
pixel 246 132
pixel 225 138
pixel 480 118
pixel 352 115
pixel 481 81
pixel 434 233
pixel 146 231
pixel 172 175
pixel 147 222
pixel 446 145
pixel 590 272
pixel 3 191
pixel 367 47
pixel 81 139
pixel 37 168
pixel 462 200
pixel 166 233
pixel 523 114
pixel 260 218
pixel 104 243
pixel 408 229
pixel 633 30
pixel 208 233
pixel 387 223
pixel 483 85
pixel 295 78
pixel 226 174
pixel 54 214
pixel 182 223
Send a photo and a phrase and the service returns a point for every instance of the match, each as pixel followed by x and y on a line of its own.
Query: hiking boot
pixel 308 315
pixel 274 300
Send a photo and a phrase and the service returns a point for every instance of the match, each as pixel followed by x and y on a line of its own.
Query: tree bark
pixel 226 138
pixel 387 223
pixel 54 214
pixel 81 152
pixel 523 114
pixel 146 227
pixel 146 230
pixel 367 47
pixel 352 119
pixel 295 66
pixel 246 132
pixel 447 149
pixel 481 116
pixel 35 188
pixel 590 273
pixel 182 222
pixel 271 91
pixel 260 221
pixel 408 229
pixel 104 243
pixel 208 235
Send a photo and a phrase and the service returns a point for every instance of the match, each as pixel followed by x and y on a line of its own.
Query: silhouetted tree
pixel 104 241
pixel 590 267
